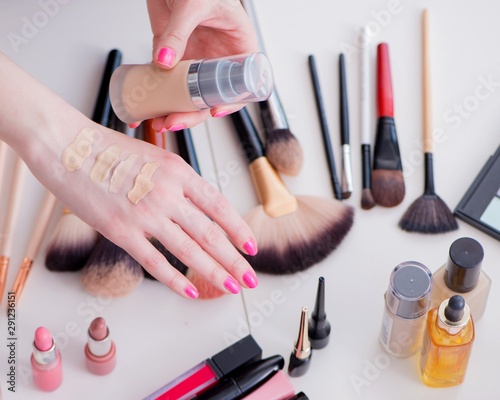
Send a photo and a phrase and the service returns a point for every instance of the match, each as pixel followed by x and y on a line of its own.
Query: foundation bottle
pixel 462 274
pixel 447 343
pixel 407 302
pixel 139 92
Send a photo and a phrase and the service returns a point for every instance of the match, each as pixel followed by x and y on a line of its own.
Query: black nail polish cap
pixel 299 396
pixel 319 327
pixel 302 352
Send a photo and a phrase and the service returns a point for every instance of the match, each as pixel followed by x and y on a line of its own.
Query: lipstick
pixel 301 355
pixel 210 371
pixel 244 380
pixel 46 362
pixel 100 350
pixel 319 327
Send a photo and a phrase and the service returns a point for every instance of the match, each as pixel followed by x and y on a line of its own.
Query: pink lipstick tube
pixel 46 361
pixel 100 350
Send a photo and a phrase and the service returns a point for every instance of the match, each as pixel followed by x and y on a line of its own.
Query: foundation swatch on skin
pixel 104 162
pixel 77 152
pixel 120 173
pixel 142 183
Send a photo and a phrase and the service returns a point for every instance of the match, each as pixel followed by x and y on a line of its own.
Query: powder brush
pixel 292 232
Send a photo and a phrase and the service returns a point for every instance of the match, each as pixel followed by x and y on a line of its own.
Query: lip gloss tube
pixel 100 350
pixel 46 362
pixel 207 373
pixel 139 92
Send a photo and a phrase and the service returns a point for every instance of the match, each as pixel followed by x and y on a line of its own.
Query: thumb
pixel 170 45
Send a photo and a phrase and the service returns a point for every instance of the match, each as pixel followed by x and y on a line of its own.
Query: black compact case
pixel 480 205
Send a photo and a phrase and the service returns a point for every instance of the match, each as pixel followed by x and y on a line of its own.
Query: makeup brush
pixel 73 240
pixel 346 181
pixel 283 150
pixel 388 186
pixel 367 201
pixel 292 232
pixel 15 195
pixel 428 213
pixel 39 229
pixel 325 132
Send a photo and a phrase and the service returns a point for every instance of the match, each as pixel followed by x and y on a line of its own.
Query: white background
pixel 158 334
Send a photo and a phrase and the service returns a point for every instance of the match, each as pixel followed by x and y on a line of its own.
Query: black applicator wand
pixel 319 327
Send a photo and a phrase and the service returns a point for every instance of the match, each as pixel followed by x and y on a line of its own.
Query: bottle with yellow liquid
pixel 447 343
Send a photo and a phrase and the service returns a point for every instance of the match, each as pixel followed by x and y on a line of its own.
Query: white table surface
pixel 158 334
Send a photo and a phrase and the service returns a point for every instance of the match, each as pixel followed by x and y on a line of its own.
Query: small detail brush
pixel 36 238
pixel 344 132
pixel 319 327
pixel 73 240
pixel 428 213
pixel 337 189
pixel 388 186
pixel 292 233
pixel 367 201
pixel 283 150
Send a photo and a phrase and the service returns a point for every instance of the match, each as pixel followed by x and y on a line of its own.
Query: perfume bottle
pixel 447 343
pixel 406 304
pixel 462 274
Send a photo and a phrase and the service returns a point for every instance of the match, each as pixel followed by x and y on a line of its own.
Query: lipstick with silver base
pixel 100 350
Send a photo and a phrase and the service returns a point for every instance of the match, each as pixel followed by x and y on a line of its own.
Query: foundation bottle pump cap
pixel 408 295
pixel 464 265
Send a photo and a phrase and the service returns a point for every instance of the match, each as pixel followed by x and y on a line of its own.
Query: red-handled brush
pixel 388 187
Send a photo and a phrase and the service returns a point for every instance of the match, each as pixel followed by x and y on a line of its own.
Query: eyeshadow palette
pixel 480 205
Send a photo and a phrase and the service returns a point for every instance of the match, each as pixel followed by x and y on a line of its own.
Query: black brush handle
pixel 367 166
pixel 337 190
pixel 248 135
pixel 386 152
pixel 344 109
pixel 102 110
pixel 186 149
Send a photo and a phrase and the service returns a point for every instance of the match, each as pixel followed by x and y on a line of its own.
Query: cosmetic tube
pixel 300 359
pixel 447 343
pixel 100 350
pixel 244 380
pixel 407 301
pixel 209 372
pixel 462 274
pixel 278 387
pixel 140 92
pixel 46 362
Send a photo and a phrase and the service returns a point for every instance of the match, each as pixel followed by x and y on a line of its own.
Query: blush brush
pixel 292 232
pixel 388 186
pixel 428 213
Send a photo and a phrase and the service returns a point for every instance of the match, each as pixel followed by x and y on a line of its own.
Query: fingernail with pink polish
pixel 133 125
pixel 177 127
pixel 250 247
pixel 191 291
pixel 231 285
pixel 221 114
pixel 166 56
pixel 250 279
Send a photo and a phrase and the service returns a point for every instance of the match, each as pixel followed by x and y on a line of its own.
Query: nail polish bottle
pixel 302 352
pixel 319 327
pixel 46 362
pixel 447 343
pixel 140 92
pixel 462 274
pixel 407 302
pixel 100 350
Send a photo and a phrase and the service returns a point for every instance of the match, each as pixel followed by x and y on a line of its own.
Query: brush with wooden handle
pixel 428 213
pixel 292 232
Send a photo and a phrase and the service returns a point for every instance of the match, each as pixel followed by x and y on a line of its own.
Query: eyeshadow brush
pixel 346 177
pixel 73 240
pixel 428 213
pixel 388 186
pixel 292 232
pixel 283 150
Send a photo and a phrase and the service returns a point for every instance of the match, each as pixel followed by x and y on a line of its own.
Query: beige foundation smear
pixel 120 173
pixel 142 183
pixel 104 162
pixel 77 152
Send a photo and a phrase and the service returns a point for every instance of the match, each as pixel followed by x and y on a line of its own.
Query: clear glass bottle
pixel 462 274
pixel 447 343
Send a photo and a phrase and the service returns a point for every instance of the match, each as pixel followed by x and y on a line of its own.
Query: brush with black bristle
pixel 73 240
pixel 292 232
pixel 388 187
pixel 429 213
pixel 367 201
pixel 282 147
